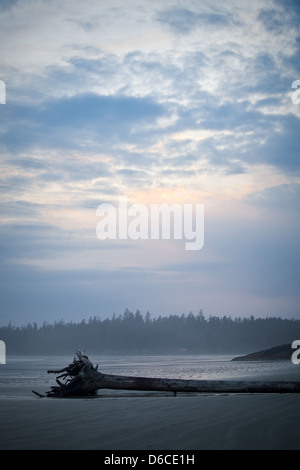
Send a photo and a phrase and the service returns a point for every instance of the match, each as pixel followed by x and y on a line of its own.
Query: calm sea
pixel 20 375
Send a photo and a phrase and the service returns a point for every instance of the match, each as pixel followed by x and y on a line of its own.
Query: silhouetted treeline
pixel 134 333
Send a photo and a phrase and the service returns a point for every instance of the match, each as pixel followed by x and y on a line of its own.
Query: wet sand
pixel 152 421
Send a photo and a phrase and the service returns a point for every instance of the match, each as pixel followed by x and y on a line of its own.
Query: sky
pixel 174 102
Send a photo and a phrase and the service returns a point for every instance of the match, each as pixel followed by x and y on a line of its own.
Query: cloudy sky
pixel 161 101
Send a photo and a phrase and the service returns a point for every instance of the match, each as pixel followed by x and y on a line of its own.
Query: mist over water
pixel 22 374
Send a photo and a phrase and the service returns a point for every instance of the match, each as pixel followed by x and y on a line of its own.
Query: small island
pixel 277 353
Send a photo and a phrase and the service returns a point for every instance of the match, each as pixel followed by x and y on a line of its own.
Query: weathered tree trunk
pixel 85 380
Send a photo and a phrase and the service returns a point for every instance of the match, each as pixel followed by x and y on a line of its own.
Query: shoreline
pixel 122 420
pixel 127 420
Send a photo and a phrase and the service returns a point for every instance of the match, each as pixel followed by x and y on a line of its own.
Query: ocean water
pixel 22 374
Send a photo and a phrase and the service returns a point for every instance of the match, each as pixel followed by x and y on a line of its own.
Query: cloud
pixel 284 199
pixel 272 20
pixel 159 103
pixel 183 20
pixel 281 148
pixel 7 4
pixel 71 121
pixel 292 62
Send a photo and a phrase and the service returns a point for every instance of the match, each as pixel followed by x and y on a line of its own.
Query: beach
pixel 123 420
pixel 153 423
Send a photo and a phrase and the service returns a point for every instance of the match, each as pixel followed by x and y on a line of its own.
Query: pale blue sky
pixel 159 101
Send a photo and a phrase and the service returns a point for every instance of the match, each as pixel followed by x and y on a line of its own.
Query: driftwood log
pixel 81 378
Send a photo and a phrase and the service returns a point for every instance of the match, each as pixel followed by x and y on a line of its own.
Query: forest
pixel 135 333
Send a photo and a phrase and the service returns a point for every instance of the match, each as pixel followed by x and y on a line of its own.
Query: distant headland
pixel 277 353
